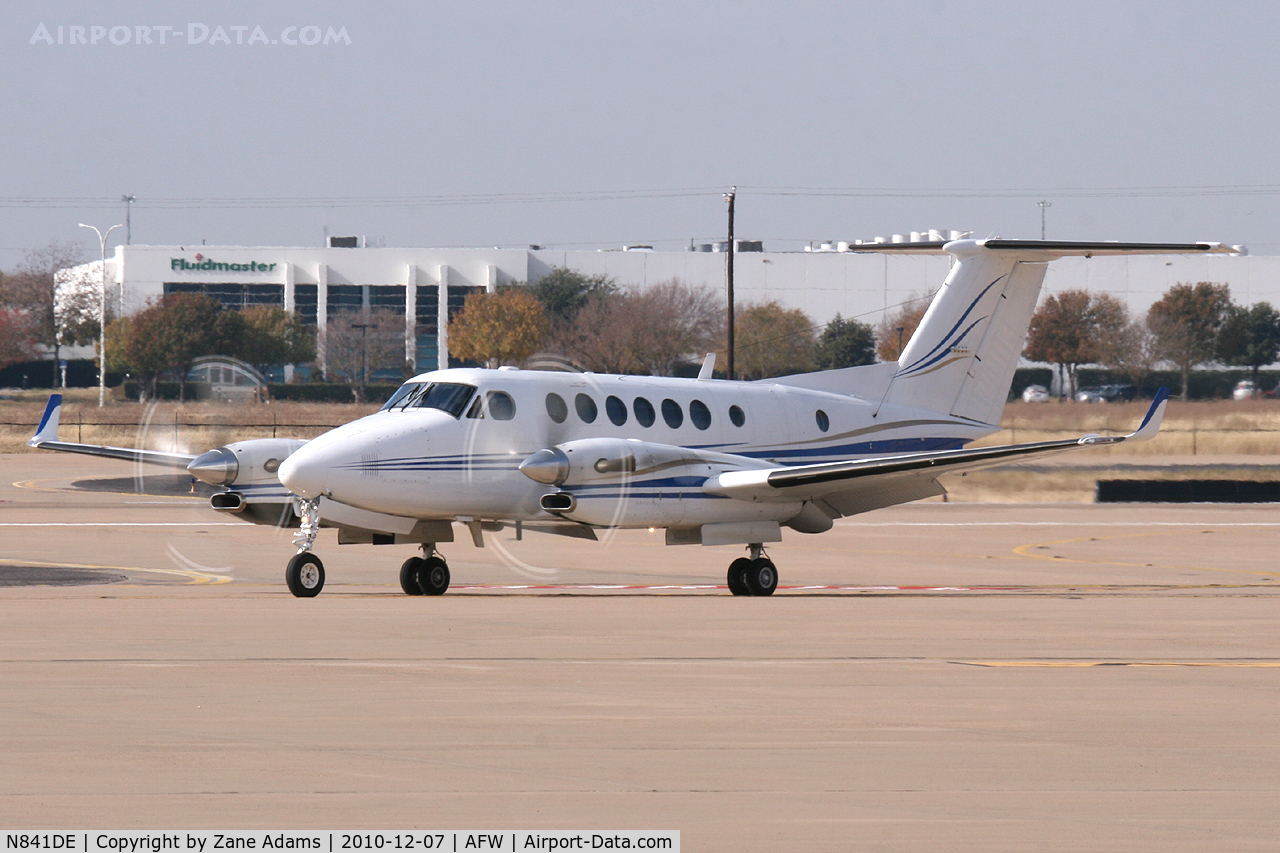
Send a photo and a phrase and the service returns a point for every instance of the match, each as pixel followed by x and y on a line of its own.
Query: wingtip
pixel 1150 425
pixel 48 428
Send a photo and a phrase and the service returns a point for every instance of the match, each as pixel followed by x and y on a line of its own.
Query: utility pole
pixel 102 316
pixel 729 197
pixel 1042 205
pixel 128 218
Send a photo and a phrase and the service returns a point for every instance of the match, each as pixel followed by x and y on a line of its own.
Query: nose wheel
pixel 305 575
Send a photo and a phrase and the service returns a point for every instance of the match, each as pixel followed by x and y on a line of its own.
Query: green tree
pixel 845 343
pixel 894 331
pixel 772 341
pixel 167 336
pixel 1250 337
pixel 565 292
pixel 504 327
pixel 264 336
pixel 1185 323
pixel 1074 327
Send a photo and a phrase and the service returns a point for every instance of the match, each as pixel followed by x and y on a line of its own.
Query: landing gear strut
pixel 305 573
pixel 426 575
pixel 754 575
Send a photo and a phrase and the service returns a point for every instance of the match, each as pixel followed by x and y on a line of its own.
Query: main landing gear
pixel 425 575
pixel 754 575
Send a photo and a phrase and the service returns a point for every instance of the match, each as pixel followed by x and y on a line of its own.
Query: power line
pixel 389 201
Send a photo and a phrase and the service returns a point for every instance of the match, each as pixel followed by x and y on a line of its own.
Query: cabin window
pixel 824 423
pixel 557 409
pixel 586 408
pixel 672 413
pixel 644 411
pixel 477 409
pixel 501 406
pixel 736 416
pixel 699 414
pixel 616 410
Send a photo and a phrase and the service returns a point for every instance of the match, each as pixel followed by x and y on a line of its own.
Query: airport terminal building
pixel 428 286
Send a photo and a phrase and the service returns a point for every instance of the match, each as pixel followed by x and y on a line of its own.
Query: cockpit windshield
pixel 451 397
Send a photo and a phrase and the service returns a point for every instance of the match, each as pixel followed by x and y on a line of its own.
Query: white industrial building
pixel 429 285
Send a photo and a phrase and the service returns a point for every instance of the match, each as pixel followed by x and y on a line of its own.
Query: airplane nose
pixel 304 473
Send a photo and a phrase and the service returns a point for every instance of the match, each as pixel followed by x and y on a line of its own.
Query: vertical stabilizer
pixel 961 358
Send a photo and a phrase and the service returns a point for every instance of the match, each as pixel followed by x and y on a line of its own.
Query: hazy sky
pixel 594 124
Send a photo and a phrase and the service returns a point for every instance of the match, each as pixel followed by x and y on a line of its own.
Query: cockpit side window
pixel 501 406
pixel 403 391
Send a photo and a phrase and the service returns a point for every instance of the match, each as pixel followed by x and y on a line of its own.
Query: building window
pixel 586 408
pixel 305 302
pixel 388 297
pixel 616 410
pixel 672 413
pixel 644 411
pixel 557 409
pixel 345 297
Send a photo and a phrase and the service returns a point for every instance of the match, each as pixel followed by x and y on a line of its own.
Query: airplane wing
pixel 46 438
pixel 860 485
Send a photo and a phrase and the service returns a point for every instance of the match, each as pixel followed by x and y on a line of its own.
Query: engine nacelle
pixel 244 462
pixel 616 482
pixel 248 471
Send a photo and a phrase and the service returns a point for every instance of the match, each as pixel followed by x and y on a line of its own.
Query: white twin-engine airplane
pixel 712 462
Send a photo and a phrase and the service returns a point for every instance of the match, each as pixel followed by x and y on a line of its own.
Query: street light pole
pixel 1042 205
pixel 102 315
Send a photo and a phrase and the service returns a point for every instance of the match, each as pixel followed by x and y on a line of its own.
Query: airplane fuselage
pixel 455 450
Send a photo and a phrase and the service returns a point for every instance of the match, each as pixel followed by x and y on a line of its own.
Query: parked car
pixel 1035 394
pixel 1106 394
pixel 1245 390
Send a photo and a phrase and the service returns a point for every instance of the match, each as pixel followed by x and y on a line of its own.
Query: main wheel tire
pixel 305 575
pixel 433 576
pixel 762 577
pixel 409 576
pixel 738 576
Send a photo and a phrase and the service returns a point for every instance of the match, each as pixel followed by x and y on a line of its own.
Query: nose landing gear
pixel 305 573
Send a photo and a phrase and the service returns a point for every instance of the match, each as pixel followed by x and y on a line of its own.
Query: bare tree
pixel 358 343
pixel 1185 322
pixel 894 331
pixel 646 331
pixel 30 289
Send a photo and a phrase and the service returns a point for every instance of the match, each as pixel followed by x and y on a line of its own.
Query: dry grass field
pixel 1204 440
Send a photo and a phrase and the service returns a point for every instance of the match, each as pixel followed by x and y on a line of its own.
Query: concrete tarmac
pixel 935 676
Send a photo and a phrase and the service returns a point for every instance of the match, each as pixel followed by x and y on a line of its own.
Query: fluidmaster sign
pixel 203 264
